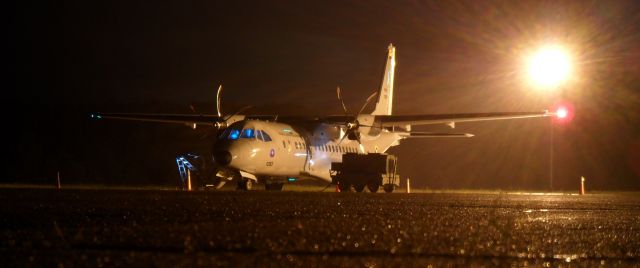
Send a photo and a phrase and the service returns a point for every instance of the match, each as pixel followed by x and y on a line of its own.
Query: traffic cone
pixel 59 186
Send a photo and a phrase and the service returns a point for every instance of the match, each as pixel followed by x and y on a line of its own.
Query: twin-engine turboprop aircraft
pixel 270 148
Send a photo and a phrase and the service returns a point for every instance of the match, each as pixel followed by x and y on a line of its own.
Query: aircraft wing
pixel 381 120
pixel 414 134
pixel 427 119
pixel 163 118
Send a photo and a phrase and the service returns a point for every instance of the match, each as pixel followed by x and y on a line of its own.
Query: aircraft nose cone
pixel 223 158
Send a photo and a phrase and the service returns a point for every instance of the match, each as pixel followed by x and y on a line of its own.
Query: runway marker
pixel 188 180
pixel 408 186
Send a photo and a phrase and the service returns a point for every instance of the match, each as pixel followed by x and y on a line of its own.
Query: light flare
pixel 562 112
pixel 549 66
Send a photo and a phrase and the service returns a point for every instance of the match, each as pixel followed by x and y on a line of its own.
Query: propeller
pixel 352 128
pixel 218 97
pixel 221 123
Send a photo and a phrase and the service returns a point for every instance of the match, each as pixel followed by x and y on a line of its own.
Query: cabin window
pixel 248 133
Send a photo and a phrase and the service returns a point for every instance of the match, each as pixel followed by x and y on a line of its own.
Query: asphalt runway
pixel 48 227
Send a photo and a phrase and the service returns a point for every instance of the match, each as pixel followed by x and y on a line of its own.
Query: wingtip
pixel 95 115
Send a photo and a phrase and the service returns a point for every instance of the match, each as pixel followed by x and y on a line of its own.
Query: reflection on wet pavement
pixel 166 228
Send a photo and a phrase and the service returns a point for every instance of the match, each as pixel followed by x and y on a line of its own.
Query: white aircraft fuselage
pixel 292 150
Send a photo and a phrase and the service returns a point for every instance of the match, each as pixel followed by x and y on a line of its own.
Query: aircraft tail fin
pixel 385 97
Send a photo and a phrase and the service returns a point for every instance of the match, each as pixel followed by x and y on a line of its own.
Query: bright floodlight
pixel 549 66
pixel 562 112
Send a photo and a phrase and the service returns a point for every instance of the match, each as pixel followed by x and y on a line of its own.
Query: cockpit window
pixel 259 135
pixel 248 133
pixel 234 134
pixel 224 134
pixel 265 136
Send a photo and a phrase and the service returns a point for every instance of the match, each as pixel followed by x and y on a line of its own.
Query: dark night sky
pixel 287 57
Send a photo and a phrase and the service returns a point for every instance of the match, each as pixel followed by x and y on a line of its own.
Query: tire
pixel 273 186
pixel 344 186
pixel 388 188
pixel 373 187
pixel 242 186
pixel 245 184
pixel 359 187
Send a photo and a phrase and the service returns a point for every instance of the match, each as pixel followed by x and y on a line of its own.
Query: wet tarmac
pixel 46 227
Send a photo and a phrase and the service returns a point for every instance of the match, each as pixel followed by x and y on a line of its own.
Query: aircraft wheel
pixel 359 187
pixel 388 188
pixel 273 186
pixel 373 187
pixel 245 184
pixel 344 186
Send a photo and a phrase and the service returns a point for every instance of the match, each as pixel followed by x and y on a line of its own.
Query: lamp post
pixel 548 68
pixel 551 155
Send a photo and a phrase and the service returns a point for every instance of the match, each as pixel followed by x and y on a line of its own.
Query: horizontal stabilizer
pixel 435 135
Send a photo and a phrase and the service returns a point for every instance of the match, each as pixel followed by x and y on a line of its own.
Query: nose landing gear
pixel 245 184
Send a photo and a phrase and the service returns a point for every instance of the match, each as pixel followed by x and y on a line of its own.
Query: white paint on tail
pixel 385 98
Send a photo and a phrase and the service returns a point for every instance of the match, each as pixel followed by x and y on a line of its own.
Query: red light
pixel 562 112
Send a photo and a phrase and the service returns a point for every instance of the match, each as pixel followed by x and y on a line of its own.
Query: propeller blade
pixel 346 134
pixel 218 98
pixel 236 113
pixel 344 107
pixel 367 102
